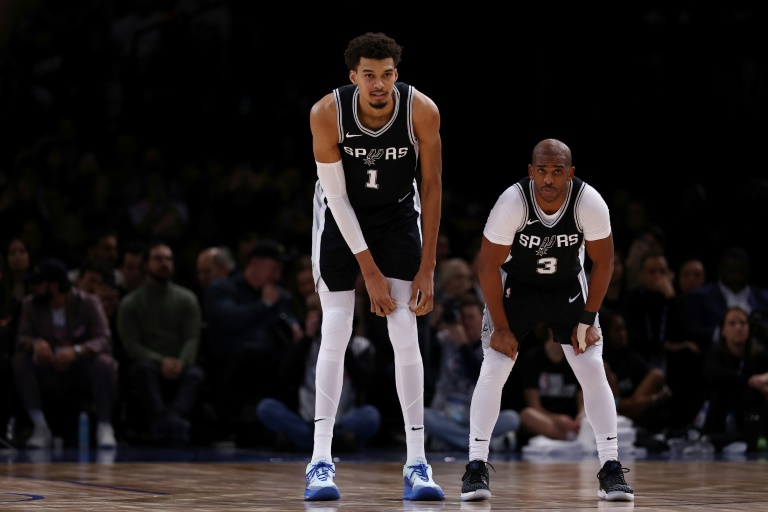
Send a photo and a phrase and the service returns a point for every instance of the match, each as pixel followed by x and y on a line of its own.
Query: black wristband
pixel 587 317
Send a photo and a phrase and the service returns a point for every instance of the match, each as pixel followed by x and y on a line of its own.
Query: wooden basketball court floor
pixel 242 480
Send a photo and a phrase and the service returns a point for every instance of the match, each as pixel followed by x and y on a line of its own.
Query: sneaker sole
pixel 483 494
pixel 615 496
pixel 322 494
pixel 425 494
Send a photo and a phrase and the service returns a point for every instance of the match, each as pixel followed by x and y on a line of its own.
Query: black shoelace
pixel 480 476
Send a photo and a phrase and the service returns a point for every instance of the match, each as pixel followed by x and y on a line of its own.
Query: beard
pixel 378 106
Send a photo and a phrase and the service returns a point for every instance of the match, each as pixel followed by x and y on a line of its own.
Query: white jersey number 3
pixel 546 265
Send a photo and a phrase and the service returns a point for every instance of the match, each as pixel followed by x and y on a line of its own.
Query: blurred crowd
pixel 141 212
pixel 230 356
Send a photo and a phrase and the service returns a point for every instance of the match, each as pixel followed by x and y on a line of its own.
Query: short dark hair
pixel 134 246
pixel 97 234
pixel 371 45
pixel 154 244
pixel 269 249
pixel 90 265
pixel 735 253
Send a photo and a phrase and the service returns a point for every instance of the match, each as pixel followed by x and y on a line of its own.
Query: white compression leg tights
pixel 409 368
pixel 336 331
pixel 599 404
pixel 486 401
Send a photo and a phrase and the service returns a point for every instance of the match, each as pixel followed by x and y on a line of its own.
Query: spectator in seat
pixel 159 325
pixel 63 346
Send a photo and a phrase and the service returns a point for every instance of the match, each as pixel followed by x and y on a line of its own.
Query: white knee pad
pixel 588 366
pixel 401 325
pixel 336 328
pixel 495 369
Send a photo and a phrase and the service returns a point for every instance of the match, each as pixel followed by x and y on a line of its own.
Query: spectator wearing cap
pixel 159 325
pixel 63 346
pixel 250 323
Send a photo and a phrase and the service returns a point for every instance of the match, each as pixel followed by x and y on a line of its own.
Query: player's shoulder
pixel 590 194
pixel 322 116
pixel 422 102
pixel 514 192
pixel 585 185
pixel 324 106
pixel 512 202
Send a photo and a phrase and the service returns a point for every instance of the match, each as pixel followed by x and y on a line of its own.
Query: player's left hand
pixel 422 303
pixel 592 337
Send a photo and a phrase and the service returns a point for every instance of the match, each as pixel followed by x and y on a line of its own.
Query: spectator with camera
pixel 357 421
pixel 459 353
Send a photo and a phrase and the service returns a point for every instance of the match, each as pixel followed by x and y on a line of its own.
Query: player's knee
pixel 401 325
pixel 337 326
pixel 496 367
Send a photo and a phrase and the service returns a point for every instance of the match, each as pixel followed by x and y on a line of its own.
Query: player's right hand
pixel 379 293
pixel 502 340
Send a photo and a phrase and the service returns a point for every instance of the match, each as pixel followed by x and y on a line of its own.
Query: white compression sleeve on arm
pixel 332 180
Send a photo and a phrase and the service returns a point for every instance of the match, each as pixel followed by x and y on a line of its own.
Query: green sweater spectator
pixel 158 320
pixel 160 325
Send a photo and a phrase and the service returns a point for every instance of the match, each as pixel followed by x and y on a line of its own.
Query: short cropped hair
pixel 371 45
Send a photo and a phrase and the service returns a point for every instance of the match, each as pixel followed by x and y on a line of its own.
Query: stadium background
pixel 663 104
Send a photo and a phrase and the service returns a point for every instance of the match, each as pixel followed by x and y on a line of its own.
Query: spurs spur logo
pixel 373 155
pixel 548 242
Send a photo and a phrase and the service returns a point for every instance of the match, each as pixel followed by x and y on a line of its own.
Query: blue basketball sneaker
pixel 419 485
pixel 320 486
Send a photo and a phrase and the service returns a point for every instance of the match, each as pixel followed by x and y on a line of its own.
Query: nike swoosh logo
pixel 319 419
pixel 612 438
pixel 531 222
pixel 354 134
pixel 403 198
pixel 476 439
pixel 417 428
pixel 571 299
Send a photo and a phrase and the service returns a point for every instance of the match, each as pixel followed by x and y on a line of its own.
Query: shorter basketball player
pixel 531 270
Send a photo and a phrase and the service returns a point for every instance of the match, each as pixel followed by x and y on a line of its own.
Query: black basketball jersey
pixel 547 254
pixel 379 165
